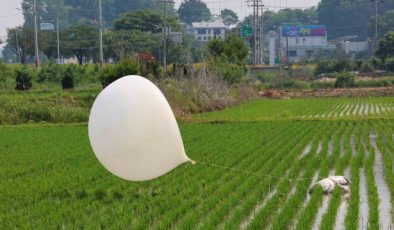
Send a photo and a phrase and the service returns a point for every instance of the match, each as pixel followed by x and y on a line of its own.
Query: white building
pixel 303 42
pixel 351 48
pixel 205 31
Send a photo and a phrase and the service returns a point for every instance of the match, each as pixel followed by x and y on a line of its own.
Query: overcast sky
pixel 10 17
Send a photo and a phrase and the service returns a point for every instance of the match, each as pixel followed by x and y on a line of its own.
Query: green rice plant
pixel 373 199
pixel 329 218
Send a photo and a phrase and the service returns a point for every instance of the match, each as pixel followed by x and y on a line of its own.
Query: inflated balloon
pixel 133 131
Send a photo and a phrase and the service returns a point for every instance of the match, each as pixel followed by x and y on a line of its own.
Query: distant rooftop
pixel 216 24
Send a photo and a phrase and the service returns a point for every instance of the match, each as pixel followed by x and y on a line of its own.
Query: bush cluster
pixel 344 80
pixel 389 64
pixel 111 73
pixel 231 72
pixel 23 79
pixel 331 66
pixel 67 76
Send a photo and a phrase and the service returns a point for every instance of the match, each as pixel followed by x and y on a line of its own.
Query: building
pixel 352 48
pixel 303 42
pixel 205 31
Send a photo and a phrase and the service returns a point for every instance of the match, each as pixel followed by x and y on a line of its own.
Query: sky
pixel 11 17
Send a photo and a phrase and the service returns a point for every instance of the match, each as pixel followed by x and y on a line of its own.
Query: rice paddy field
pixel 255 165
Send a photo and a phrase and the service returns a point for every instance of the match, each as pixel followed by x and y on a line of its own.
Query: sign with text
pixel 47 26
pixel 246 30
pixel 304 30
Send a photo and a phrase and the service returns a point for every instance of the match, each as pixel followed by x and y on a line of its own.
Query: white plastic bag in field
pixel 133 131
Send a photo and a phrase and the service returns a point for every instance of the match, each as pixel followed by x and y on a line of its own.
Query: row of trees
pixel 342 17
pixel 128 32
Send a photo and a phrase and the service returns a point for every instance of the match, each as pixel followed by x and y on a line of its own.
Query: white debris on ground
pixel 328 184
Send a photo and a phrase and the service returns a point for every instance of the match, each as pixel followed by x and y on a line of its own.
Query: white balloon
pixel 133 131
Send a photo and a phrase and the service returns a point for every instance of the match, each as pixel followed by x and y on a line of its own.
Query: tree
pixel 233 48
pixel 48 43
pixel 350 17
pixel 194 11
pixel 124 43
pixel 273 19
pixel 48 11
pixel 143 20
pixel 229 17
pixel 386 46
pixel 385 24
pixel 80 41
pixel 19 42
pixel 112 9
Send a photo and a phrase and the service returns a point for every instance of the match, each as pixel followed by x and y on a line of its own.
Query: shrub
pixel 23 79
pixel 331 66
pixel 389 64
pixel 68 79
pixel 367 67
pixel 344 79
pixel 111 73
pixel 4 74
pixel 50 72
pixel 266 77
pixel 231 72
pixel 377 63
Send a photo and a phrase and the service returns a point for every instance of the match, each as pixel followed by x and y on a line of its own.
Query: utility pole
pixel 262 36
pixel 287 51
pixel 256 4
pixel 101 33
pixel 37 60
pixel 165 32
pixel 376 23
pixel 58 41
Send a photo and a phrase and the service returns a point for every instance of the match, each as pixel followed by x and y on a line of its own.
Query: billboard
pixel 303 30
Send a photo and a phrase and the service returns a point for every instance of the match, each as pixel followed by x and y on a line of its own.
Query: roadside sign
pixel 47 26
pixel 246 30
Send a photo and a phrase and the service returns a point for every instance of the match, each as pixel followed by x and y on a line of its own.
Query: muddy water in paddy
pixel 366 110
pixel 257 208
pixel 377 108
pixel 319 148
pixel 306 150
pixel 342 210
pixel 341 147
pixel 330 148
pixel 308 198
pixel 385 221
pixel 353 146
pixel 364 209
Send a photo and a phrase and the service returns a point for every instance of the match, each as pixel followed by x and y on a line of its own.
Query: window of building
pixel 293 53
pixel 202 31
pixel 217 31
pixel 204 38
